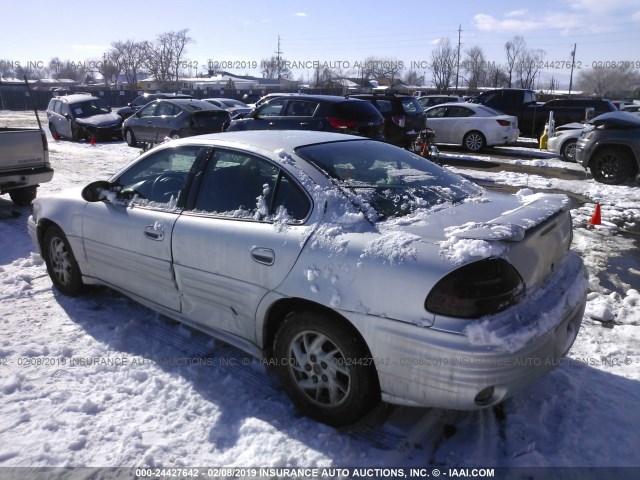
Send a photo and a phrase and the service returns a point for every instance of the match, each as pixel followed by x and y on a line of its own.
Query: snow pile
pixel 459 249
pixel 392 247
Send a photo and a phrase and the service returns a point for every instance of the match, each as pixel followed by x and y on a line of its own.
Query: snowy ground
pixel 100 381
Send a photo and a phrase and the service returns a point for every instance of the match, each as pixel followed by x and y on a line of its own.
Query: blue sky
pixel 327 31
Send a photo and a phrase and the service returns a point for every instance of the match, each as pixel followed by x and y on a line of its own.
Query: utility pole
pixel 573 62
pixel 458 66
pixel 278 53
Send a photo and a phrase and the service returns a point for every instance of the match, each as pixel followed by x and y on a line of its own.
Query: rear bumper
pixel 26 177
pixel 427 367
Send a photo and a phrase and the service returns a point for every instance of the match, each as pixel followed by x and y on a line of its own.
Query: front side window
pixel 240 185
pixel 160 177
pixel 271 109
pixel 149 110
pixel 437 112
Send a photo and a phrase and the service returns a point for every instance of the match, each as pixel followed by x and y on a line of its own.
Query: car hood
pixel 100 120
pixel 617 120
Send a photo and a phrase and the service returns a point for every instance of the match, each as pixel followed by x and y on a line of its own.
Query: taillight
pixel 337 122
pixel 399 120
pixel 504 123
pixel 480 288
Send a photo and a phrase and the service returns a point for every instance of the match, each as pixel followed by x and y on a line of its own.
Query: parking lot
pixel 146 407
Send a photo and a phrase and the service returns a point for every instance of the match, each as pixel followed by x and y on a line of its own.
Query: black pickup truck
pixel 532 115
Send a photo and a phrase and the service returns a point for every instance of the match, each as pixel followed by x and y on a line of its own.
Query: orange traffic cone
pixel 595 218
pixel 93 140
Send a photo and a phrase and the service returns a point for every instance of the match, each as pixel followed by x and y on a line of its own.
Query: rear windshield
pixel 356 109
pixel 393 181
pixel 411 106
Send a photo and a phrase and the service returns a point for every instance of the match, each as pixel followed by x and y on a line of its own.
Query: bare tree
pixel 514 50
pixel 412 77
pixel 129 57
pixel 443 63
pixel 164 57
pixel 528 67
pixel 108 69
pixel 475 68
pixel 67 69
pixel 607 82
pixel 497 76
pixel 275 67
pixel 381 68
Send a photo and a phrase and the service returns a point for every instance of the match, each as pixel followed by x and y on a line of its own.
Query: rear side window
pixel 300 108
pixel 411 106
pixel 239 185
pixel 460 112
pixel 356 109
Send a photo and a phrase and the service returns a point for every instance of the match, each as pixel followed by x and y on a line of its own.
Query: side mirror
pixel 96 191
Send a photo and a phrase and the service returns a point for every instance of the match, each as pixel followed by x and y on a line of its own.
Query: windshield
pixel 393 181
pixel 90 108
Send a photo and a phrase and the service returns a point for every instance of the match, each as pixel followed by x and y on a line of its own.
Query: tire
pixel 611 166
pixel 130 138
pixel 61 263
pixel 174 136
pixel 474 141
pixel 319 361
pixel 23 197
pixel 568 150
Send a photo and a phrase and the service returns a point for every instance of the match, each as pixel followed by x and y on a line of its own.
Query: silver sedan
pixel 360 271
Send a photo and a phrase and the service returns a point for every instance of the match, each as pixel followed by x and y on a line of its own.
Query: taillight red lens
pixel 480 288
pixel 336 122
pixel 504 123
pixel 399 120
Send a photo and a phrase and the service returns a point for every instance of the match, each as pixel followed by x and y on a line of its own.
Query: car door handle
pixel 154 232
pixel 266 256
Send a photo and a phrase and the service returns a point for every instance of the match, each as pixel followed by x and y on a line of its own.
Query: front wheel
pixel 130 138
pixel 61 263
pixel 474 141
pixel 568 151
pixel 611 165
pixel 325 368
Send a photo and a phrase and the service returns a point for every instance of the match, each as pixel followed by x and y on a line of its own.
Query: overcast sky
pixel 240 34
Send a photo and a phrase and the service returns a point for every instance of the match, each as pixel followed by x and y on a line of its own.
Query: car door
pixel 266 117
pixel 296 115
pixel 127 241
pixel 165 121
pixel 64 121
pixel 459 121
pixel 142 123
pixel 239 240
pixel 437 121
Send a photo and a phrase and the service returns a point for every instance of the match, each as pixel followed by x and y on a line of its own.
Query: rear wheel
pixel 61 263
pixel 174 136
pixel 325 368
pixel 611 165
pixel 474 141
pixel 23 197
pixel 568 150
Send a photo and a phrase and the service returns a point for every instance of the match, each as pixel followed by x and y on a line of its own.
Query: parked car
pixel 82 116
pixel 24 163
pixel 314 112
pixel 533 115
pixel 611 150
pixel 234 107
pixel 471 126
pixel 635 108
pixel 174 119
pixel 350 265
pixel 145 98
pixel 432 100
pixel 564 139
pixel 404 118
